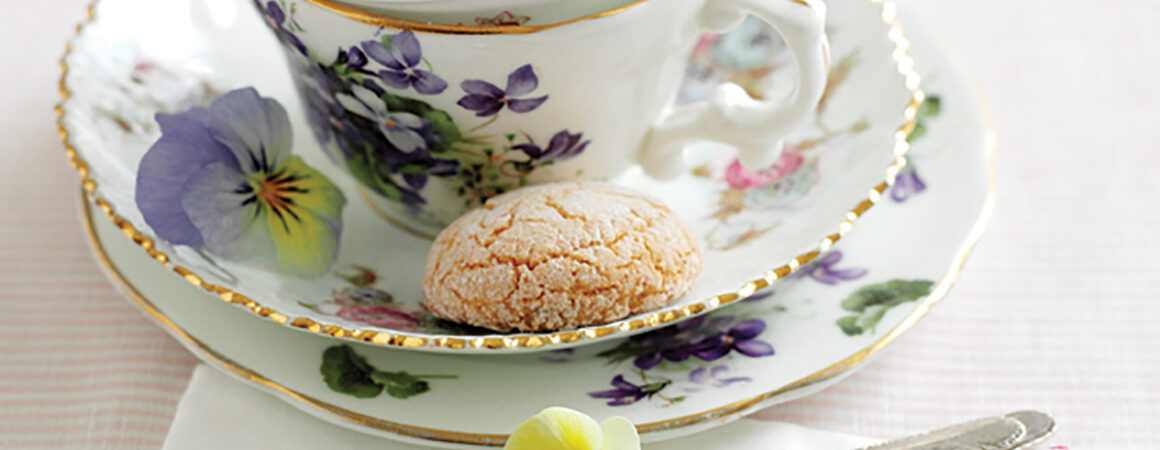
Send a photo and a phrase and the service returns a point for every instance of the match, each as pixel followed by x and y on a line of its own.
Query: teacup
pixel 434 119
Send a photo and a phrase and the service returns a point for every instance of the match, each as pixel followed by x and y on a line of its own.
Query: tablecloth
pixel 1057 309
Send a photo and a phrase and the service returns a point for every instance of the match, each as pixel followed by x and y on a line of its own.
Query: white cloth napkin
pixel 221 413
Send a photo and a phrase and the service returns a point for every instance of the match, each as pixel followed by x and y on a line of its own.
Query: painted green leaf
pixel 400 384
pixel 932 107
pixel 345 372
pixel 918 132
pixel 890 293
pixel 849 326
pixel 872 302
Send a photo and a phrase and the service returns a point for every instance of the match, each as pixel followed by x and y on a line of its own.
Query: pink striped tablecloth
pixel 1057 309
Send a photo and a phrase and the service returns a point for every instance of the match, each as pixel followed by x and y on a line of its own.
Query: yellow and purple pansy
pixel 222 179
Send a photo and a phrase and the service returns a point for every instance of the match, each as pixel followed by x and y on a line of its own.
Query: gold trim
pixel 905 67
pixel 845 365
pixel 378 20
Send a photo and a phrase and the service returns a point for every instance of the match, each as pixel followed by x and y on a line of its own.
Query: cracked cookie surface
pixel 560 256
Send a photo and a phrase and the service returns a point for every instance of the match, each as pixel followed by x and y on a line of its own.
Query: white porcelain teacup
pixel 436 118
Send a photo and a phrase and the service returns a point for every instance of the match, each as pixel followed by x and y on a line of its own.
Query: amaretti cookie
pixel 560 256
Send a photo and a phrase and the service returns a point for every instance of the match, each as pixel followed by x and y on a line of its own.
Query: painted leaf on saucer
pixel 222 179
pixel 870 303
pixel 347 372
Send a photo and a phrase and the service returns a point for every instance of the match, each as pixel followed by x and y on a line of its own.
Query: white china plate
pixel 121 69
pixel 916 235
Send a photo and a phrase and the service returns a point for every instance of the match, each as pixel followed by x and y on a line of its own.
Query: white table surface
pixel 1056 310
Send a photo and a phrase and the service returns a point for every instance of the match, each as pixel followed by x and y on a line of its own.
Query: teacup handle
pixel 756 128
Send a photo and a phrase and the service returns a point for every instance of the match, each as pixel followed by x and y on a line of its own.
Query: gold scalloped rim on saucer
pixel 905 66
pixel 849 363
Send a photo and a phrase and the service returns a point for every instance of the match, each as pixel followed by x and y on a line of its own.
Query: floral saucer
pixel 806 334
pixel 757 227
pixel 770 348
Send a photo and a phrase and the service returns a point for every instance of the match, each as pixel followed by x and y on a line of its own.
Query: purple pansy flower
pixel 487 99
pixel 562 146
pixel 405 131
pixel 906 184
pixel 277 20
pixel 823 271
pixel 625 393
pixel 354 59
pixel 712 378
pixel 678 342
pixel 741 337
pixel 222 178
pixel 400 60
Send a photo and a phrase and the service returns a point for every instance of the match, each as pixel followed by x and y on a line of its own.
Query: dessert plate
pixel 773 347
pixel 756 226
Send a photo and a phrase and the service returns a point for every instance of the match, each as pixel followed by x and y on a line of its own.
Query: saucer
pixel 814 329
pixel 757 227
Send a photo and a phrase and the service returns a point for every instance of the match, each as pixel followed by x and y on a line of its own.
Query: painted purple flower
pixel 705 377
pixel 401 60
pixel 625 393
pixel 562 146
pixel 277 20
pixel 741 337
pixel 823 270
pixel 354 59
pixel 222 178
pixel 487 99
pixel 405 131
pixel 678 342
pixel 906 184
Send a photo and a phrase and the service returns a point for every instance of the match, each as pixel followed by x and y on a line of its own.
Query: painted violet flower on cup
pixel 222 179
pixel 487 99
pixel 400 60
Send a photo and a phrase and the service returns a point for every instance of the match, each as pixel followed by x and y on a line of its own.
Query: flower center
pixel 390 124
pixel 277 191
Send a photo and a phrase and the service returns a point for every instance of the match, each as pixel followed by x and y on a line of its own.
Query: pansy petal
pixel 849 274
pixel 275 13
pixel 415 180
pixel 378 52
pixel 748 329
pixel 480 87
pixel 619 434
pixel 355 106
pixel 403 139
pixel 407 120
pixel 395 80
pixel 168 121
pixel 611 393
pixel 405 47
pixel 476 102
pixel 313 191
pixel 531 150
pixel 164 173
pixel 754 348
pixel 256 129
pixel 227 215
pixel 713 353
pixel 522 81
pixel 428 83
pixel 830 258
pixel 526 105
pixel 620 383
pixel 556 428
pixel 699 375
pixel 824 276
pixel 648 361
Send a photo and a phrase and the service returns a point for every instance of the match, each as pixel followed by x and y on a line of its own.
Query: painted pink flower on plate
pixel 740 178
